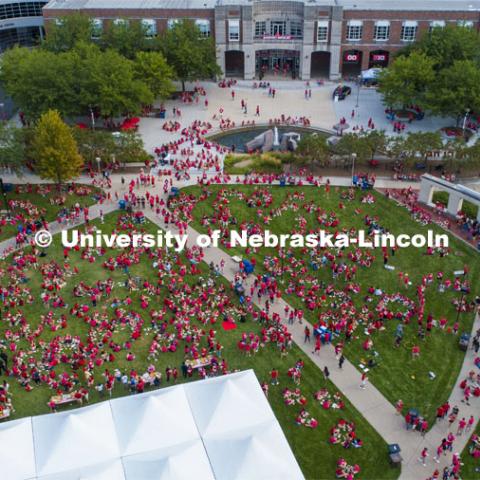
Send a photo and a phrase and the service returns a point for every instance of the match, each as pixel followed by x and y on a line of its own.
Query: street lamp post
pixel 354 156
pixel 358 90
pixel 92 117
pixel 465 121
pixel 98 159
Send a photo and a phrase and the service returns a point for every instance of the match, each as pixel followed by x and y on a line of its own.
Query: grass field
pixel 471 467
pixel 316 456
pixel 397 375
pixel 468 208
pixel 42 202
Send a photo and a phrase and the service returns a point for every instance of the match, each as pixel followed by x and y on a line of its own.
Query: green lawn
pixel 42 201
pixel 468 208
pixel 471 466
pixel 316 456
pixel 397 375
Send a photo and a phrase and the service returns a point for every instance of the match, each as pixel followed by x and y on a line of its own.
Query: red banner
pixel 351 57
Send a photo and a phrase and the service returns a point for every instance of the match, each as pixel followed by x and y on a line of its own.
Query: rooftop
pixel 419 5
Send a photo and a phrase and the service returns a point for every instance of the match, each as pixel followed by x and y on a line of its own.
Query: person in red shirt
pixel 274 376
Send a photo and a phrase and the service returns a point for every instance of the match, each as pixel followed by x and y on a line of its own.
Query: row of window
pixel 150 26
pixel 381 31
pixel 294 29
pixel 27 9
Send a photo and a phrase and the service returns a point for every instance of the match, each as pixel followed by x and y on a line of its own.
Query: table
pixel 5 413
pixel 199 362
pixel 64 399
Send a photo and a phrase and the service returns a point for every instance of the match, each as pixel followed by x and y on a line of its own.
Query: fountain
pixel 271 140
pixel 276 143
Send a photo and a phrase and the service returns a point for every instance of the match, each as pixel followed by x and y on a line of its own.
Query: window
pixel 120 21
pixel 150 27
pixel 278 28
pixel 260 29
pixel 436 24
pixel 234 30
pixel 409 31
pixel 171 22
pixel 296 29
pixel 322 31
pixel 204 27
pixel 25 9
pixel 382 30
pixel 354 30
pixel 97 28
pixel 465 23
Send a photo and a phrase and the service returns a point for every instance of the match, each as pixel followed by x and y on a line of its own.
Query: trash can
pixel 163 113
pixel 464 341
pixel 121 204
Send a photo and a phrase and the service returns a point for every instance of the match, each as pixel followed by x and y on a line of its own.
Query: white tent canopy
pixel 220 428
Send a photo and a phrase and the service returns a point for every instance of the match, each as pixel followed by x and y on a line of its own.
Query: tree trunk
pixel 183 85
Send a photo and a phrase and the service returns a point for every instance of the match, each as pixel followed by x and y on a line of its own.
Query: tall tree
pixel 351 143
pixel 456 90
pixel 38 80
pixel 313 149
pixel 63 34
pixel 153 70
pixel 12 147
pixel 419 145
pixel 56 151
pixel 376 141
pixel 127 37
pixel 407 80
pixel 449 44
pixel 191 56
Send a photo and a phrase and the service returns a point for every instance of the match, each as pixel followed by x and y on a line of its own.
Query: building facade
pixel 288 38
pixel 21 23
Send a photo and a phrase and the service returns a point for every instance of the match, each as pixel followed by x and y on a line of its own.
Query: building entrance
pixel 279 63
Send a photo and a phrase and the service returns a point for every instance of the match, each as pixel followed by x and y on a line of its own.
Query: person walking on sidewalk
pixel 363 383
pixel 423 457
pixel 340 361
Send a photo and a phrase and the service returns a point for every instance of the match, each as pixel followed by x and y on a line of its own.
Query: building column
pixel 335 60
pixel 248 62
pixel 220 55
pixel 426 192
pixel 306 62
pixel 335 46
pixel 478 213
pixel 454 204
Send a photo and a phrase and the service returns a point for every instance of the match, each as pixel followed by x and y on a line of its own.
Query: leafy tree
pixel 376 141
pixel 130 148
pixel 418 145
pixel 449 44
pixel 56 151
pixel 94 143
pixel 455 90
pixel 407 80
pixel 351 143
pixel 12 147
pixel 313 149
pixel 191 56
pixel 67 32
pixel 37 80
pixel 153 70
pixel 126 37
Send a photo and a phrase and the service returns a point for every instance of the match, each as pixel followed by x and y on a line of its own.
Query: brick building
pixel 301 39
